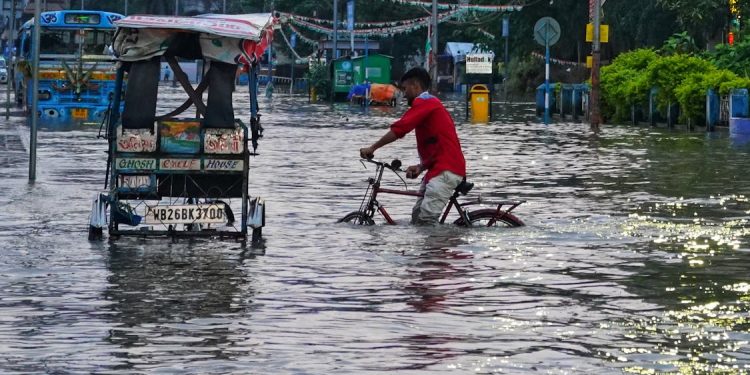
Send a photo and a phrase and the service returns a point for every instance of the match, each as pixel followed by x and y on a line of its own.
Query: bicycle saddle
pixel 464 187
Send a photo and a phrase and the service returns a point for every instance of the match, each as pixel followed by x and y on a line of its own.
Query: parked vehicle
pixel 76 67
pixel 3 71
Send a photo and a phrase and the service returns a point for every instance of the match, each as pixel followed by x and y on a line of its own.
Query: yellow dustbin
pixel 480 103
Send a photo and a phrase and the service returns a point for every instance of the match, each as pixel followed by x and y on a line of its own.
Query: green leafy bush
pixel 679 78
pixel 734 58
pixel 624 83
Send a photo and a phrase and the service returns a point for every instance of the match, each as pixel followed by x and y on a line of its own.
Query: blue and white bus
pixel 76 67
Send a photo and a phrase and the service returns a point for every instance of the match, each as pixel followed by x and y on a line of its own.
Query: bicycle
pixel 486 217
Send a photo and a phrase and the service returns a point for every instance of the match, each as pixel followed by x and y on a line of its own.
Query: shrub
pixel 624 84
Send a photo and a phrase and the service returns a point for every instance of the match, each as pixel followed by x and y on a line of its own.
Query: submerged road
pixel 634 258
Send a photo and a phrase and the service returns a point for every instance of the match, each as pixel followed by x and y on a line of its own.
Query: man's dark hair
pixel 419 74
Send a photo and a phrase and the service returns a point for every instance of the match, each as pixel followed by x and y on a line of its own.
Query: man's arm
pixel 369 152
pixel 413 117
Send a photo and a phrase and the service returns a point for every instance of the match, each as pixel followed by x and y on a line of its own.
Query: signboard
pixel 136 141
pixel 547 31
pixel 135 164
pixel 479 63
pixel 136 183
pixel 223 165
pixel 186 214
pixel 224 141
pixel 180 164
pixel 603 33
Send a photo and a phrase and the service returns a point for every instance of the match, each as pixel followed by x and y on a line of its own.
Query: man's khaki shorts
pixel 437 192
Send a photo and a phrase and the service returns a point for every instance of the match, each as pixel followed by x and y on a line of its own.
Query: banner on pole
pixel 350 15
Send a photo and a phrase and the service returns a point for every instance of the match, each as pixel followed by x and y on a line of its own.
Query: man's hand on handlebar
pixel 413 171
pixel 366 152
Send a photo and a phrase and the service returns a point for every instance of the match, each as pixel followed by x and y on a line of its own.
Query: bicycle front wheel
pixel 358 218
pixel 489 217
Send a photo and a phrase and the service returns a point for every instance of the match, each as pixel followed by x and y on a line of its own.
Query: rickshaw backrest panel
pixel 141 93
pixel 185 45
pixel 219 111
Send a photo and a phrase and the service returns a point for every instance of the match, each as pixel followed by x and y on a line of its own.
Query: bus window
pixel 67 41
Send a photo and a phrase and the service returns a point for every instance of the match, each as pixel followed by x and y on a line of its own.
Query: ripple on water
pixel 632 260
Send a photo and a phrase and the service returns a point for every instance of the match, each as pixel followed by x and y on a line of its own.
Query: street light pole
pixel 434 45
pixel 34 91
pixel 335 52
pixel 506 34
pixel 11 65
pixel 595 62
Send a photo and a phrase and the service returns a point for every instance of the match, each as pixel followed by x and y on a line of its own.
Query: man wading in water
pixel 437 143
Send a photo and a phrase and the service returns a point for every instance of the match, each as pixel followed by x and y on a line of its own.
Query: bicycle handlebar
pixel 395 164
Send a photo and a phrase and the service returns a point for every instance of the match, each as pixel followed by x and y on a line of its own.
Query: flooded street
pixel 634 259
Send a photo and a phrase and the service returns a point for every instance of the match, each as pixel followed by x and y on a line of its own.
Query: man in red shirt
pixel 437 143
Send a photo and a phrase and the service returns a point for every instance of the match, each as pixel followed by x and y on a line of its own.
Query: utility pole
pixel 596 58
pixel 224 7
pixel 11 67
pixel 83 4
pixel 34 91
pixel 506 34
pixel 350 23
pixel 335 52
pixel 434 46
pixel 126 7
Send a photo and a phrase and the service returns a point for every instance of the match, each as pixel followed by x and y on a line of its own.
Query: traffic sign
pixel 547 31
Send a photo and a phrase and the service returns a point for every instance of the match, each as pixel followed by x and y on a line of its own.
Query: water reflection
pixel 171 302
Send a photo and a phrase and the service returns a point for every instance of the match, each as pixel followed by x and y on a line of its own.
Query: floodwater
pixel 634 259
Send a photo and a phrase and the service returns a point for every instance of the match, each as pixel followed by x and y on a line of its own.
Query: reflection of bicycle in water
pixel 480 217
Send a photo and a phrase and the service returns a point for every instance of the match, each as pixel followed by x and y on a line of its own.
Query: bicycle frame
pixel 370 202
pixel 373 204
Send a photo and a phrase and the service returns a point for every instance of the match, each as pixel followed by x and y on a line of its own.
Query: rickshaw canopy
pixel 227 38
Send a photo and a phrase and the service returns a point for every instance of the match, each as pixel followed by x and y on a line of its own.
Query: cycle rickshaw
pixel 176 174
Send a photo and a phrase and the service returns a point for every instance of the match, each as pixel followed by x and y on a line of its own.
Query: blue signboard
pixel 293 42
pixel 350 15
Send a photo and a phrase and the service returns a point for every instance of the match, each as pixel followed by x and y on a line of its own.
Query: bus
pixel 76 67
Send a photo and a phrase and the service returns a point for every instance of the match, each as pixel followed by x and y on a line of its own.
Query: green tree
pixel 703 19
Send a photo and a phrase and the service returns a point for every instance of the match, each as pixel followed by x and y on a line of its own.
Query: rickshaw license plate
pixel 79 113
pixel 186 214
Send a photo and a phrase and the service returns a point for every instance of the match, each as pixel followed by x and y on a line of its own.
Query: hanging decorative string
pixel 302 37
pixel 296 55
pixel 557 61
pixel 471 7
pixel 378 31
pixel 291 16
pixel 487 34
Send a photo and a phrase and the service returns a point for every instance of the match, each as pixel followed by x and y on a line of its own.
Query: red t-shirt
pixel 437 141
